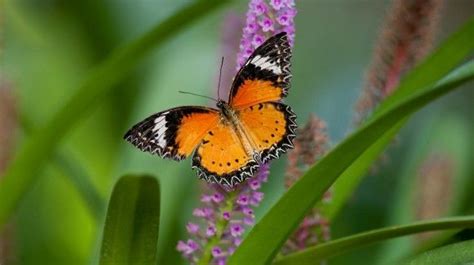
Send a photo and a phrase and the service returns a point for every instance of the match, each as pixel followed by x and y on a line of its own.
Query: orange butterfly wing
pixel 256 94
pixel 265 76
pixel 173 133
pixel 271 127
pixel 221 157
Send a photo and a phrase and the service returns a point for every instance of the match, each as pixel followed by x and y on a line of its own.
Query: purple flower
pixel 251 28
pixel 192 228
pixel 243 199
pixel 257 197
pixel 277 4
pixel 211 230
pixel 226 216
pixel 187 248
pixel 206 198
pixel 221 261
pixel 216 252
pixel 248 221
pixel 247 211
pixel 217 197
pixel 237 241
pixel 267 24
pixel 259 7
pixel 236 230
pixel 203 212
pixel 257 40
pixel 254 184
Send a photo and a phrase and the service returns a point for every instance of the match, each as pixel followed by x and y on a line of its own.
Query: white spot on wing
pixel 159 129
pixel 266 63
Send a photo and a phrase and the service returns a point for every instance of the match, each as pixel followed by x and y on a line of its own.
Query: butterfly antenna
pixel 190 93
pixel 220 75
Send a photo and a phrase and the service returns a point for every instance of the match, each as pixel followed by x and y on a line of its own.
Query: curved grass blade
pixel 132 224
pixel 39 147
pixel 454 254
pixel 285 215
pixel 336 247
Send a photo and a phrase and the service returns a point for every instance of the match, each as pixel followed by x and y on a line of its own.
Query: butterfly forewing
pixel 173 133
pixel 265 76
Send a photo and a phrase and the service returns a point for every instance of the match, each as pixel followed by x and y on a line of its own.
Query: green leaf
pixel 336 247
pixel 455 254
pixel 285 215
pixel 38 148
pixel 132 224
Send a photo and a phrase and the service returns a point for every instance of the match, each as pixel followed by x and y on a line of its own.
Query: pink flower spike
pixel 192 228
pixel 236 230
pixel 266 24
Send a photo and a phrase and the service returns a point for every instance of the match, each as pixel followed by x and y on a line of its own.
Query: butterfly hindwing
pixel 173 133
pixel 271 127
pixel 266 74
pixel 221 157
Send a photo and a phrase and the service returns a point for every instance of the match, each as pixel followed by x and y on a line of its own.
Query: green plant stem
pixel 336 247
pixel 39 147
pixel 221 225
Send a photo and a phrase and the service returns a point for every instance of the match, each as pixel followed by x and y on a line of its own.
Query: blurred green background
pixel 50 46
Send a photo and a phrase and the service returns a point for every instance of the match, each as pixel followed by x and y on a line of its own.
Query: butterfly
pixel 228 144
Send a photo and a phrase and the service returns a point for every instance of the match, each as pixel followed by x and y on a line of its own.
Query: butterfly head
pixel 221 104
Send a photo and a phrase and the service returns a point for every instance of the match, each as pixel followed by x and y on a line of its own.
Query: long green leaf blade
pixel 339 246
pixel 454 254
pixel 285 215
pixel 132 224
pixel 39 147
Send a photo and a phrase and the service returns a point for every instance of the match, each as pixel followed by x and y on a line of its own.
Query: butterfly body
pixel 228 144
